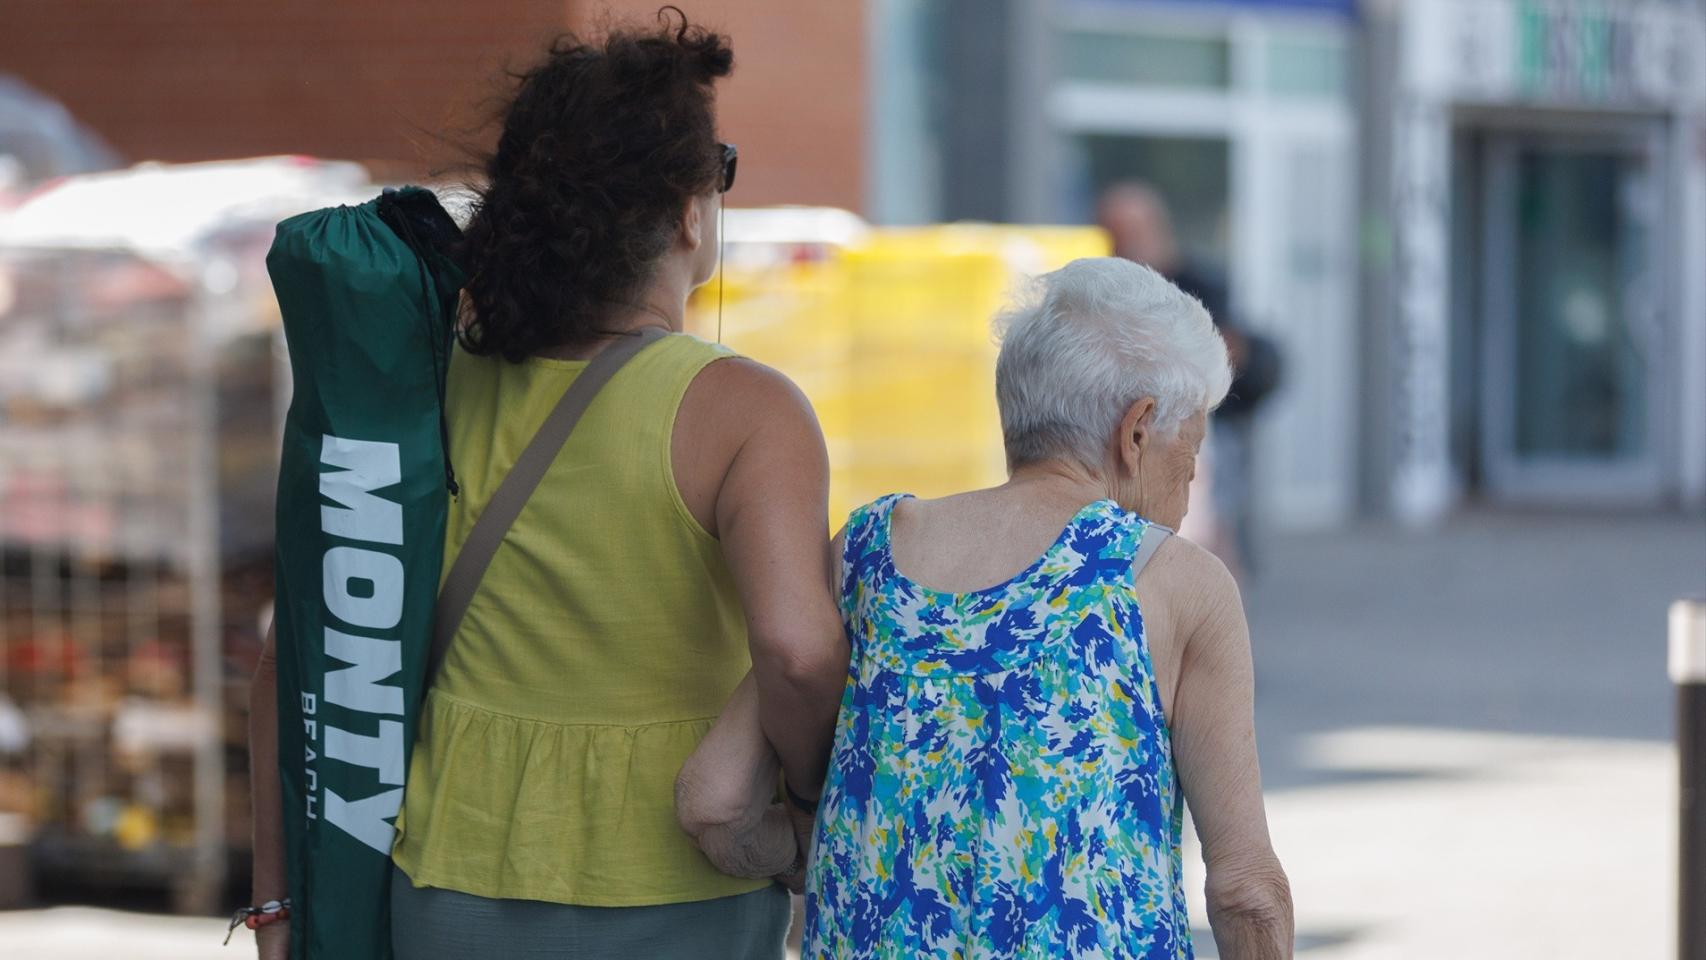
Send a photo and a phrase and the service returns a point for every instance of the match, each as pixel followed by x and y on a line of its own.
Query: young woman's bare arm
pixel 772 514
pixel 768 509
pixel 1214 748
pixel 267 879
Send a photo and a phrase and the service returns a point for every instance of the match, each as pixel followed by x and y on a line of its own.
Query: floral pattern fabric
pixel 1002 781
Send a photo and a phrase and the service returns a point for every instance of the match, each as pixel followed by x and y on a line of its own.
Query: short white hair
pixel 1086 342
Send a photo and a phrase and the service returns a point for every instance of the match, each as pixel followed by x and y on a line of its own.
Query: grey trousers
pixel 432 924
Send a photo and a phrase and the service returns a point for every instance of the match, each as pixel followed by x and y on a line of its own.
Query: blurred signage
pixel 1342 7
pixel 1569 53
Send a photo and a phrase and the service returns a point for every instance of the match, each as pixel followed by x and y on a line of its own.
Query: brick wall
pixel 796 102
pixel 204 79
pixel 376 80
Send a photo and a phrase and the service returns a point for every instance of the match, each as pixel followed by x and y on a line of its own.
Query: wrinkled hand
pixel 805 825
pixel 272 942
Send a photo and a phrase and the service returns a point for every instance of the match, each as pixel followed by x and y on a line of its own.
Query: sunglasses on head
pixel 730 156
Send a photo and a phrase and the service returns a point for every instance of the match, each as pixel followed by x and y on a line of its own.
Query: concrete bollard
pixel 1688 672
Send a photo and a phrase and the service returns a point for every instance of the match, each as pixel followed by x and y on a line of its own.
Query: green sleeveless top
pixel 604 640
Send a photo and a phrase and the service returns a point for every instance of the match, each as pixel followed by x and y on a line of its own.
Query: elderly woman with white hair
pixel 1041 675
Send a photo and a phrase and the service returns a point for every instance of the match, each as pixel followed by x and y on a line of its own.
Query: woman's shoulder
pixel 739 384
pixel 690 344
pixel 745 429
pixel 747 403
pixel 1182 560
pixel 1194 583
pixel 865 522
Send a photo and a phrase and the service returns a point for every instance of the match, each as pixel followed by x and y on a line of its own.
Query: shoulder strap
pixel 517 486
pixel 1154 535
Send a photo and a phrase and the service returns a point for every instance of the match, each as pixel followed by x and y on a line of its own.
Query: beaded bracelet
pixel 255 918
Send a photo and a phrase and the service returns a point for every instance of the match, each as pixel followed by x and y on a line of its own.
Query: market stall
pixel 139 398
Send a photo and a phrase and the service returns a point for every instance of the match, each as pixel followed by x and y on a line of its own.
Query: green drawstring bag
pixel 367 295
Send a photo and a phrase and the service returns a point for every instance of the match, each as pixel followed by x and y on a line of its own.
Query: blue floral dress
pixel 1002 783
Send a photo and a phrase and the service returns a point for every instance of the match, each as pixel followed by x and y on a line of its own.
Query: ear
pixel 692 224
pixel 1136 429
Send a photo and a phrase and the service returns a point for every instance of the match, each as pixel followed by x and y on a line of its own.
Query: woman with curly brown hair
pixel 678 540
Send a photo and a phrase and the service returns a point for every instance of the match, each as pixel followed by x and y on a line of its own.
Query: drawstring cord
pixel 429 289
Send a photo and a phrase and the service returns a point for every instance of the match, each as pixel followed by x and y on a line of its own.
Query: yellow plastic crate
pixel 890 338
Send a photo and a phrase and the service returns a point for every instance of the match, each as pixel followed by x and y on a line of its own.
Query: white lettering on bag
pixel 383 752
pixel 362 586
pixel 358 687
pixel 368 466
pixel 366 820
pixel 380 606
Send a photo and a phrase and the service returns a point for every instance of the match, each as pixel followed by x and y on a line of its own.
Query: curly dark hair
pixel 602 146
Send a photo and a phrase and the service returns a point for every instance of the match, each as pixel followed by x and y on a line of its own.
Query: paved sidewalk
pixel 1544 624
pixel 89 933
pixel 1465 735
pixel 1478 846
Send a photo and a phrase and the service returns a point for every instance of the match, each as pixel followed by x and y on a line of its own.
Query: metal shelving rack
pixel 133 521
pixel 139 410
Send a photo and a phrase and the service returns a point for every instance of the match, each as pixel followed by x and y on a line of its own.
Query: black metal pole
pixel 1688 672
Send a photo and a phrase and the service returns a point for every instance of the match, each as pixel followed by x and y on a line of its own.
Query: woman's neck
pixel 664 313
pixel 1057 480
pixel 641 315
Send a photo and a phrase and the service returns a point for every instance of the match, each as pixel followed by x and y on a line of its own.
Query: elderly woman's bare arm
pixel 1214 747
pixel 723 795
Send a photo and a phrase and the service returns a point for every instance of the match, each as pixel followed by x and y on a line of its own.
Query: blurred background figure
pixel 1141 229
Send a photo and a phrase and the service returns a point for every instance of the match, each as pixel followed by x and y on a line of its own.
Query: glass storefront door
pixel 1570 321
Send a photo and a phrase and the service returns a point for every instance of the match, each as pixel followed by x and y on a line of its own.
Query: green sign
pixel 1579 51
